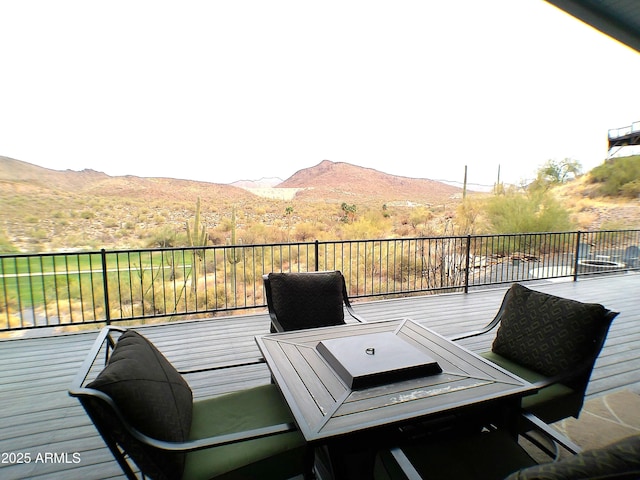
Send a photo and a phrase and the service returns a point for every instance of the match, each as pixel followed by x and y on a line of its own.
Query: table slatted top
pixel 324 406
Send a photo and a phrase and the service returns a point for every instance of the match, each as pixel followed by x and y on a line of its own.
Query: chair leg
pixel 546 444
pixel 309 463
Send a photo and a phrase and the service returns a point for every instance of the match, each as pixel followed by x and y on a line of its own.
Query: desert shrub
pixel 467 215
pixel 525 213
pixel 217 236
pixel 618 177
pixel 369 225
pixel 419 216
pixel 631 189
pixel 256 232
pixel 5 244
pixel 217 297
pixel 161 237
pixel 110 222
pixel 305 231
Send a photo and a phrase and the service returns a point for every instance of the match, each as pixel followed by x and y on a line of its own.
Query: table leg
pixel 351 462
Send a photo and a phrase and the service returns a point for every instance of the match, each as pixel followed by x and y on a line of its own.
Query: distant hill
pixel 327 181
pixel 335 180
pixel 50 210
pixel 17 171
pixel 47 210
pixel 18 175
pixel 265 182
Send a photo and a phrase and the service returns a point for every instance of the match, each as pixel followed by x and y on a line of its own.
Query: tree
pixel 559 171
pixel 162 237
pixel 349 212
pixel 288 213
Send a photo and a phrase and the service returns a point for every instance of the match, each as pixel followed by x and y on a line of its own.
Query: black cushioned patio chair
pixel 302 300
pixel 550 341
pixel 496 455
pixel 145 412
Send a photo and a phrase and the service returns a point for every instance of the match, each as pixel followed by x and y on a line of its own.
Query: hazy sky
pixel 227 90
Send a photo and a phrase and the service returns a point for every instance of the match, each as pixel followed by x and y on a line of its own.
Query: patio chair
pixel 584 251
pixel 631 256
pixel 550 341
pixel 494 454
pixel 144 410
pixel 302 300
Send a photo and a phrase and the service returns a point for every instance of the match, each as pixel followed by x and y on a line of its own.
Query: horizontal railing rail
pixel 623 131
pixel 139 286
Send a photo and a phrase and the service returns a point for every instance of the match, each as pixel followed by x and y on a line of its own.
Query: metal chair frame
pixel 77 389
pixel 578 377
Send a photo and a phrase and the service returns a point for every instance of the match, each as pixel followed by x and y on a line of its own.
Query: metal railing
pixel 614 133
pixel 43 290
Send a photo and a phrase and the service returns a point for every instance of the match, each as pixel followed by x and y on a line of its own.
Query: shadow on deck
pixel 44 427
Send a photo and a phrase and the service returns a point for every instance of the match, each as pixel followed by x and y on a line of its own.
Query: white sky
pixel 243 89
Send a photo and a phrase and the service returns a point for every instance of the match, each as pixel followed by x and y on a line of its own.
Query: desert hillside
pixel 334 180
pixel 46 210
pixel 17 176
pixel 49 210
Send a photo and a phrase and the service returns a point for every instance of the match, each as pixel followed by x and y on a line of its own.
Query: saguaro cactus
pixel 233 253
pixel 198 237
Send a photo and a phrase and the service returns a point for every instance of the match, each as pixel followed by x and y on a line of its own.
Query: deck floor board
pixel 38 417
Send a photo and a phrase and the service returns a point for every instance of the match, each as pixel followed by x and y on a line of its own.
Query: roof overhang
pixel 619 19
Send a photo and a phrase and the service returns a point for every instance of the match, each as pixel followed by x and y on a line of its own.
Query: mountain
pixel 264 182
pixel 20 172
pixel 327 181
pixel 338 180
pixel 50 210
pixel 19 176
pixel 47 210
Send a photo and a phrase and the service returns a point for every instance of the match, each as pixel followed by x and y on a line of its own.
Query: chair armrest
pixel 490 326
pixel 276 326
pixel 487 328
pixel 354 314
pixel 257 361
pixel 347 303
pixel 103 337
pixel 188 446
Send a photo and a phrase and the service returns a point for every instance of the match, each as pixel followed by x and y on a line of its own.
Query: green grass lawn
pixel 31 280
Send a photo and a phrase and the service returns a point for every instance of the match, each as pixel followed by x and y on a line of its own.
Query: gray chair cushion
pixel 152 396
pixel 545 333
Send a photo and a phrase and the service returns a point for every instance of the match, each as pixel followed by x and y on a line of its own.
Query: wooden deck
pixel 38 418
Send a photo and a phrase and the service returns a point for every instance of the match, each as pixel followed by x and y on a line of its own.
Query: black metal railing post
pixel 105 286
pixel 317 255
pixel 576 259
pixel 468 266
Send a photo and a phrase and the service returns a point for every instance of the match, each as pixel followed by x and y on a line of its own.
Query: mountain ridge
pixel 51 210
pixel 326 180
pixel 46 210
